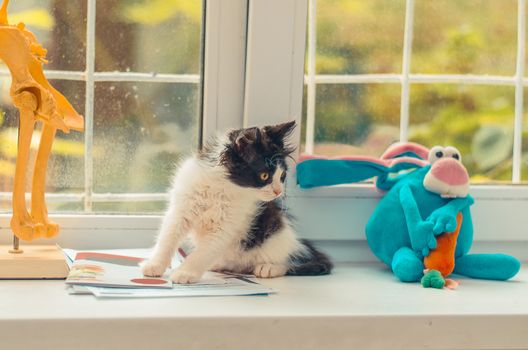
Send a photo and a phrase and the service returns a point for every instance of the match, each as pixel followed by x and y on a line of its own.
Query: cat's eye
pixel 283 177
pixel 264 176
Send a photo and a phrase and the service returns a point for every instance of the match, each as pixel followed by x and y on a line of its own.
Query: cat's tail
pixel 310 262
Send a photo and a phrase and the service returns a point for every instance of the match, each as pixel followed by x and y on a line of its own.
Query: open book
pixel 116 273
pixel 111 270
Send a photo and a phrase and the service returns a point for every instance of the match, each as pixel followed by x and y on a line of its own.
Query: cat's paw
pixel 152 268
pixel 182 276
pixel 269 270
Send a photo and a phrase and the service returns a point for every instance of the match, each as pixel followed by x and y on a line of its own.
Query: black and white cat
pixel 225 198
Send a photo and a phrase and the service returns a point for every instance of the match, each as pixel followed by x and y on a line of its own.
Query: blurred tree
pixel 450 37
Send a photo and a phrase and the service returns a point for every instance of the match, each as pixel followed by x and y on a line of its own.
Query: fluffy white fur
pixel 217 215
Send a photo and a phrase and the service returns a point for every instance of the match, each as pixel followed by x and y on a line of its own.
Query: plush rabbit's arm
pixel 420 231
pixel 444 218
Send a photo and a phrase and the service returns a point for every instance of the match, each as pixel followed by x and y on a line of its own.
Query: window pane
pixel 149 36
pixel 524 160
pixel 54 206
pixel 130 207
pixel 61 206
pixel 66 163
pixel 60 26
pixel 140 130
pixel 357 36
pixel 355 118
pixel 478 120
pixel 453 36
pixel 65 166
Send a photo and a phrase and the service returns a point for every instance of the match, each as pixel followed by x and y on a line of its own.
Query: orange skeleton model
pixel 36 100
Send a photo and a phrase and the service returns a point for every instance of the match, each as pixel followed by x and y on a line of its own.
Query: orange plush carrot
pixel 441 261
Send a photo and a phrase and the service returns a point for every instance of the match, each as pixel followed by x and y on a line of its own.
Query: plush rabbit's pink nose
pixel 450 171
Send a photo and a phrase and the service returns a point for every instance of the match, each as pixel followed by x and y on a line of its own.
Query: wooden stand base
pixel 35 262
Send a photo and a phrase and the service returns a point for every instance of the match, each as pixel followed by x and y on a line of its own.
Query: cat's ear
pixel 247 137
pixel 278 133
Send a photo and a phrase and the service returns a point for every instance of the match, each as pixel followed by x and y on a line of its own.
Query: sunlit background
pixel 140 128
pixel 450 37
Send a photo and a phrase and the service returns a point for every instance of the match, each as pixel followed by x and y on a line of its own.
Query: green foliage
pixel 154 12
pixel 491 146
pixel 140 129
pixel 450 37
pixel 463 46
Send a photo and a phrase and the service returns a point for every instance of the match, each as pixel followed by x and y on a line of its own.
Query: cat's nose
pixel 277 192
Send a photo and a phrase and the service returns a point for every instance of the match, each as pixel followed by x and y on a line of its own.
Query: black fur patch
pixel 253 151
pixel 207 153
pixel 313 263
pixel 264 225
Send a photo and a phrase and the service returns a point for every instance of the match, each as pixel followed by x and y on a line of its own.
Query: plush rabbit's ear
pixel 327 172
pixel 314 172
pixel 406 149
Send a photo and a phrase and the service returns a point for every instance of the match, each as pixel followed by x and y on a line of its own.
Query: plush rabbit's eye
pixel 452 152
pixel 436 153
pixel 264 176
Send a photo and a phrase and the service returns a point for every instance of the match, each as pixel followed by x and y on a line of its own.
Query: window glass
pixel 351 38
pixel 140 129
pixel 356 113
pixel 476 119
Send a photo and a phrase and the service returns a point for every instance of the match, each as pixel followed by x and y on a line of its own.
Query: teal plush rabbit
pixel 424 196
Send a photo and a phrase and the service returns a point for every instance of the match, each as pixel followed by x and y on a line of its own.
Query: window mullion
pixel 519 92
pixel 276 51
pixel 147 77
pixel 310 81
pixel 406 68
pixel 224 65
pixel 89 105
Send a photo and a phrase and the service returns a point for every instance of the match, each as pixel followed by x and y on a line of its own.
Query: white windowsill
pixel 360 306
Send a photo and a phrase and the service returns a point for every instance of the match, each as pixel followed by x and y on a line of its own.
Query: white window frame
pixel 406 78
pixel 254 75
pixel 90 77
pixel 223 91
pixel 336 216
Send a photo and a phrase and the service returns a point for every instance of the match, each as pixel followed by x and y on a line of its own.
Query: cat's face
pixel 256 158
